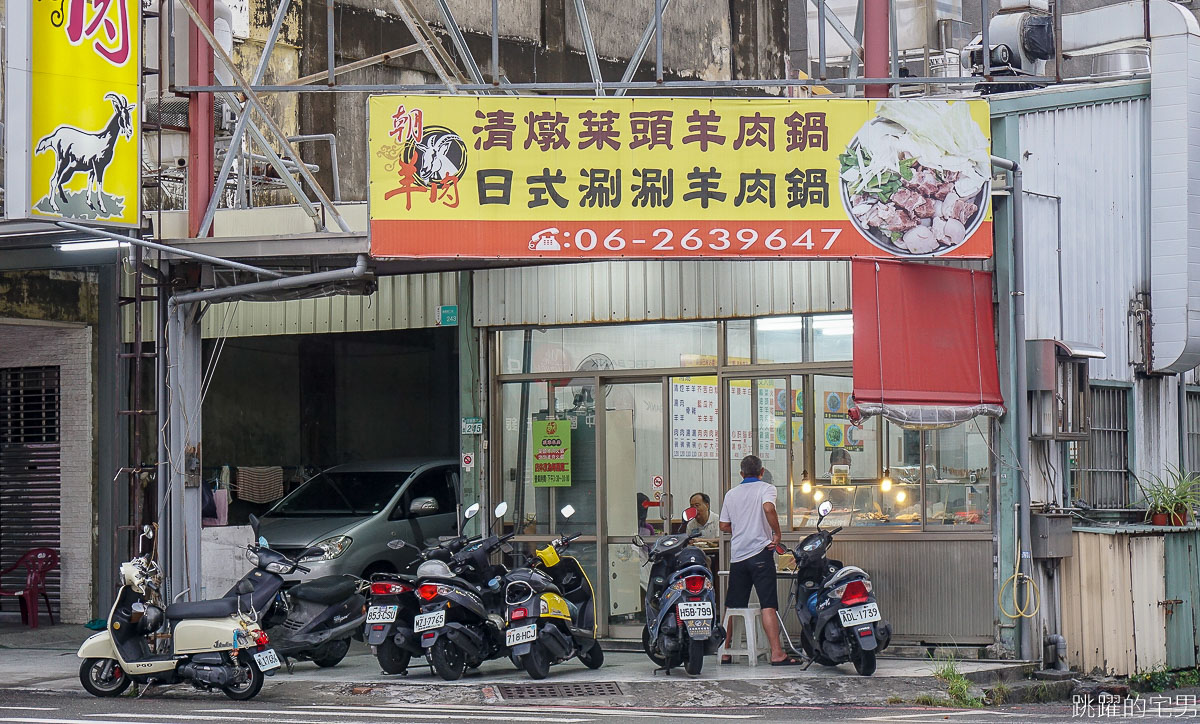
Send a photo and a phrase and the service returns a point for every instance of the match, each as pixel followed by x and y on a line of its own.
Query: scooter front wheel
pixel 332 653
pixel 592 658
pixel 658 660
pixel 251 683
pixel 864 662
pixel 103 677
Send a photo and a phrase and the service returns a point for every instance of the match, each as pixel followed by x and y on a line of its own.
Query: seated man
pixel 704 520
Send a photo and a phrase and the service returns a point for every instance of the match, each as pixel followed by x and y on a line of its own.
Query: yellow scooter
pixel 551 610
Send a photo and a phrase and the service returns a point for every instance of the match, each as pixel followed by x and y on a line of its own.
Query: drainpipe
pixel 357 271
pixel 1021 404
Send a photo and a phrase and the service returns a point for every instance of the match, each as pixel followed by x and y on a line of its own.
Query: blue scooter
pixel 682 625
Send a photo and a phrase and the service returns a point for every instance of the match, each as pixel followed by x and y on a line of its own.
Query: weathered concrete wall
pixel 50 295
pixel 696 41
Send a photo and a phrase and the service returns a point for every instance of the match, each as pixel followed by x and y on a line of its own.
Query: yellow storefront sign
pixel 585 178
pixel 85 76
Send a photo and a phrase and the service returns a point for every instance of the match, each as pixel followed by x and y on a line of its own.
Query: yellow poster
pixel 590 178
pixel 84 125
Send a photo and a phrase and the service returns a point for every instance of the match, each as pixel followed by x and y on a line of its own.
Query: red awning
pixel 924 343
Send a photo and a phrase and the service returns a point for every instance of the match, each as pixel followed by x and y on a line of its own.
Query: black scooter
pixel 461 623
pixel 312 621
pixel 839 616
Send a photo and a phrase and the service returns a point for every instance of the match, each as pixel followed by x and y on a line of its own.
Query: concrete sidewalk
pixel 44 660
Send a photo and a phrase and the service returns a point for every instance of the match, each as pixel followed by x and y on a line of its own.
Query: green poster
pixel 551 453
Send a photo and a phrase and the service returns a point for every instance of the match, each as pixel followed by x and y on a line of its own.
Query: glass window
pixel 340 493
pixel 737 342
pixel 756 427
pixel 621 347
pixel 438 484
pixel 845 452
pixel 958 475
pixel 779 339
pixel 833 337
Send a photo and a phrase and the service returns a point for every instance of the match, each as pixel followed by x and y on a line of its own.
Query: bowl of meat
pixel 915 179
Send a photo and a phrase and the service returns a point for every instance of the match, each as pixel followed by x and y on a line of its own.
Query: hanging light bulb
pixel 901 496
pixel 806 487
pixel 817 496
pixel 886 483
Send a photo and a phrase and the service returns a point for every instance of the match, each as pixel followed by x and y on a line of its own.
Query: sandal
pixel 789 661
pixel 726 659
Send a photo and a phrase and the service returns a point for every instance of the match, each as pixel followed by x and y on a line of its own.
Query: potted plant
pixel 1170 500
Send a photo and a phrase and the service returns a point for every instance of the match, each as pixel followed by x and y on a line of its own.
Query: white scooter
pixel 211 644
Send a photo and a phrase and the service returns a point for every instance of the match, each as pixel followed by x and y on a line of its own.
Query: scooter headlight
pixel 333 547
pixel 544 608
pixel 252 557
pixel 277 567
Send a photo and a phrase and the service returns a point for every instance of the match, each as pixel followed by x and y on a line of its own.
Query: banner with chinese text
pixel 551 453
pixel 591 178
pixel 84 129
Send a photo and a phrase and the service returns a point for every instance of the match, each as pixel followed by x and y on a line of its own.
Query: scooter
pixel 460 624
pixel 211 644
pixel 681 616
pixel 312 621
pixel 551 610
pixel 840 619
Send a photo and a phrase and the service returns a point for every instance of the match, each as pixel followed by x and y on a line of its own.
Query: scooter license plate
pixel 427 621
pixel 382 614
pixel 523 635
pixel 859 614
pixel 696 611
pixel 266 660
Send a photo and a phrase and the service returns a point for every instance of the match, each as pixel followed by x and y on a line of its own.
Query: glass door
pixel 766 419
pixel 637 495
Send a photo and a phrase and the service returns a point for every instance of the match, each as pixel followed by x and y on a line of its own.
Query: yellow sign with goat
pixel 85 73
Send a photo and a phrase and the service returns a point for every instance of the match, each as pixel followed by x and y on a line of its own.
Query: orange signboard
pixel 596 178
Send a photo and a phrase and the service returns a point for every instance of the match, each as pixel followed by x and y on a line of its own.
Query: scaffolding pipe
pixel 638 54
pixel 357 271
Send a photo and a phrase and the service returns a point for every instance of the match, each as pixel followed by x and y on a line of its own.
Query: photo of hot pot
pixel 915 178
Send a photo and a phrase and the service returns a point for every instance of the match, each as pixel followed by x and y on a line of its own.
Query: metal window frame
pixel 1081 482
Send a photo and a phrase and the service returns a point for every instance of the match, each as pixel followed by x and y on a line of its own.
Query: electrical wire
pixel 1033 595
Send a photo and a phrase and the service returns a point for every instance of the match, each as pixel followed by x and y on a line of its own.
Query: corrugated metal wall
pixel 401 302
pixel 636 291
pixel 1095 158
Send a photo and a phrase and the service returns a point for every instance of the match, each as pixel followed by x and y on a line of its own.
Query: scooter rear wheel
pixel 864 662
pixel 695 658
pixel 537 661
pixel 448 660
pixel 392 658
pixel 101 680
pixel 252 684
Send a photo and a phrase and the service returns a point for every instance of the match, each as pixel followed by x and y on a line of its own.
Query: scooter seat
pixel 216 608
pixel 327 590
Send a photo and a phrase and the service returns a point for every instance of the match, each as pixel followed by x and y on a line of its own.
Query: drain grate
pixel 549 691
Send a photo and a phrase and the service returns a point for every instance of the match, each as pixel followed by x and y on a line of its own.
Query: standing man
pixel 748 515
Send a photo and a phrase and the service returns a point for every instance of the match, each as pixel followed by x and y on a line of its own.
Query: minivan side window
pixel 434 483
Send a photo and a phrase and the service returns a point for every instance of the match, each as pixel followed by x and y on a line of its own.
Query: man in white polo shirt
pixel 748 515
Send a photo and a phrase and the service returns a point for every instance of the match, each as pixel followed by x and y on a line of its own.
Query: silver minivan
pixel 351 511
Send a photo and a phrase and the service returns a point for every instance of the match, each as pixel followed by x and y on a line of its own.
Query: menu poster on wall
pixel 694 417
pixel 551 454
pixel 843 435
pixel 836 404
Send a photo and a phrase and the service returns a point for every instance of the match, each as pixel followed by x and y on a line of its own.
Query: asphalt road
pixel 182 706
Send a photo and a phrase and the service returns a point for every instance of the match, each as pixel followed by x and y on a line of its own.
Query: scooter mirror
pixel 148 531
pixel 312 553
pixel 689 514
pixel 396 544
pixel 471 512
pixel 507 548
pixel 638 541
pixel 823 509
pixel 567 510
pixel 501 509
pixel 254 524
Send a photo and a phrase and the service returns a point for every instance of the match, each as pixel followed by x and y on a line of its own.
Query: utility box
pixel 1050 535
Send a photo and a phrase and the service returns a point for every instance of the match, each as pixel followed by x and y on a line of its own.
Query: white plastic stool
pixel 751 625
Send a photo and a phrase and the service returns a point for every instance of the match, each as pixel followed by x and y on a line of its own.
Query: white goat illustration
pixel 79 151
pixel 434 162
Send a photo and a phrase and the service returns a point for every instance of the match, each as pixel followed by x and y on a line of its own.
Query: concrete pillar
pixel 472 392
pixel 180 529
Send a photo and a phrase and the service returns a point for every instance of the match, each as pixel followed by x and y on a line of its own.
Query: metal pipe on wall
pixel 1021 404
pixel 201 133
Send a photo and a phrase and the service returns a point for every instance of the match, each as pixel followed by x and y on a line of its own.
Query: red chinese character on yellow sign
pixel 108 26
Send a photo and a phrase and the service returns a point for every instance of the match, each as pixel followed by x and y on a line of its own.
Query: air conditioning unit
pixel 1059 386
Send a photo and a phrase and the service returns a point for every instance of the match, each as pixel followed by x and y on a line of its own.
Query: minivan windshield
pixel 340 493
